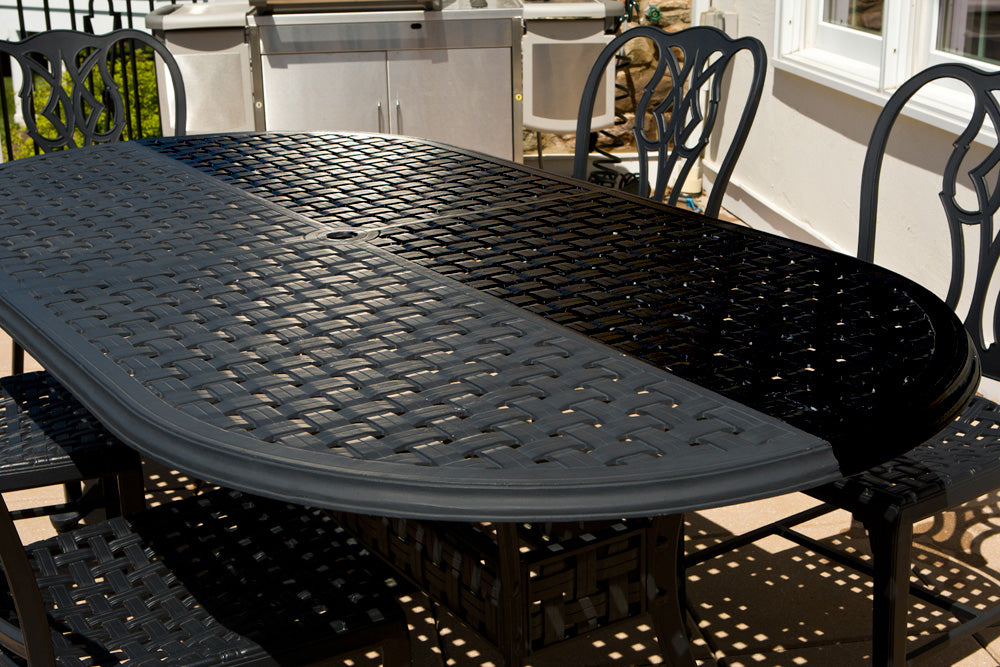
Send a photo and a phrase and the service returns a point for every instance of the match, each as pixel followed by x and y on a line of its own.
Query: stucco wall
pixel 800 172
pixel 800 168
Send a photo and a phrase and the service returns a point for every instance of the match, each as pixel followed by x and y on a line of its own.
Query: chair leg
pixel 16 359
pixel 120 494
pixel 890 543
pixel 74 493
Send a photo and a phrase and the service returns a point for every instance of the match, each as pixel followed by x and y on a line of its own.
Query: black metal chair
pixel 672 124
pixel 963 461
pixel 87 86
pixel 212 579
pixel 87 90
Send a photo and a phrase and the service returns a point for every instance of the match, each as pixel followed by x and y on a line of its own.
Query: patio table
pixel 396 327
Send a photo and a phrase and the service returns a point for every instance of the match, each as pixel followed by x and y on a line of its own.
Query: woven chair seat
pixel 966 453
pixel 212 579
pixel 48 437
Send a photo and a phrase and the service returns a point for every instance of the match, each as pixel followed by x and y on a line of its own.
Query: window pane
pixel 970 28
pixel 863 15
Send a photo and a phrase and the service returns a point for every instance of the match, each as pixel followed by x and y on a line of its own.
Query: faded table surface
pixel 391 326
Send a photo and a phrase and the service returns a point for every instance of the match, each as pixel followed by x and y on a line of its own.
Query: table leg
pixel 513 596
pixel 665 544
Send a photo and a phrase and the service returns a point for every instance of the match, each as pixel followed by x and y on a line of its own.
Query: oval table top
pixel 394 326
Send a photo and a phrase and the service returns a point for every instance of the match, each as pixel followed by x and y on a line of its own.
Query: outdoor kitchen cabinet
pixel 435 94
pixel 430 75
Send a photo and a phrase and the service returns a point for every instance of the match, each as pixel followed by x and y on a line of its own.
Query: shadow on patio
pixel 770 603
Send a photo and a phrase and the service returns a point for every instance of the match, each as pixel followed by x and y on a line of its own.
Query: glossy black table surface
pixel 392 326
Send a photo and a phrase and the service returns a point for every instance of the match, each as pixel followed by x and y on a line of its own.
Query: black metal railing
pixel 86 15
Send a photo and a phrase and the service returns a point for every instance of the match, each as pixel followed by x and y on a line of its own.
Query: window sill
pixel 841 73
pixel 940 106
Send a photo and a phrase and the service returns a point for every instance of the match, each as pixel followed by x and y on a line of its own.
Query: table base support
pixel 665 544
pixel 528 588
pixel 665 587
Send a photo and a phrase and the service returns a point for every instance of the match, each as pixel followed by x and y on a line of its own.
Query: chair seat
pixel 48 437
pixel 211 579
pixel 959 464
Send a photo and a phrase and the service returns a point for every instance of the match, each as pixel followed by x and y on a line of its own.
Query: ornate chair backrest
pixel 982 177
pixel 75 72
pixel 676 129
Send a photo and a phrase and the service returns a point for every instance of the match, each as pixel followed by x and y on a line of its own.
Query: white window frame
pixel 869 66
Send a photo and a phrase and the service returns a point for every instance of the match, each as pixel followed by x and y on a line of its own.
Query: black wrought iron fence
pixel 89 15
pixel 132 67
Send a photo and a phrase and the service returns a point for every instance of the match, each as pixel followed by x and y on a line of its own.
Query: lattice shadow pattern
pixel 735 598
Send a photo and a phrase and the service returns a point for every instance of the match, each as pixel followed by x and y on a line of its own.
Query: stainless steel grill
pixel 299 6
pixel 448 70
pixel 561 41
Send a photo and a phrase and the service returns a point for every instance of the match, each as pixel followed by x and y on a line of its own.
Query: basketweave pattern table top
pixel 761 320
pixel 249 340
